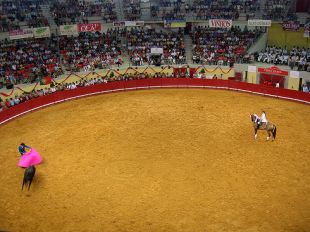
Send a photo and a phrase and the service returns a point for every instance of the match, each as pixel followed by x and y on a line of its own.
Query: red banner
pixel 291 26
pixel 273 70
pixel 92 27
pixel 21 33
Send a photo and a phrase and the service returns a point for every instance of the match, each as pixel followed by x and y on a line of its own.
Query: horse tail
pixel 274 132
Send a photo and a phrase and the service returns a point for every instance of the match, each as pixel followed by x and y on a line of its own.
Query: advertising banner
pixel 259 23
pixel 273 70
pixel 290 26
pixel 119 24
pixel 294 74
pixel 174 23
pixel 252 69
pixel 71 29
pixel 134 23
pixel 41 32
pixel 220 23
pixel 157 51
pixel 139 23
pixel 92 27
pixel 21 34
pixel 130 23
pixel 136 47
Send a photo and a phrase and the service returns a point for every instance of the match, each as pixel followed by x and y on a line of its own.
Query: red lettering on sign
pixel 93 27
pixel 220 23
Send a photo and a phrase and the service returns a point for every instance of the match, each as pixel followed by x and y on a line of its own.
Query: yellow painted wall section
pixel 279 37
pixel 293 83
pixel 252 77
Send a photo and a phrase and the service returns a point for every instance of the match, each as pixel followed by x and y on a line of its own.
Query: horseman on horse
pixel 261 123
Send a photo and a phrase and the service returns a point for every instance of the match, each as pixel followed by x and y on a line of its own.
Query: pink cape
pixel 32 157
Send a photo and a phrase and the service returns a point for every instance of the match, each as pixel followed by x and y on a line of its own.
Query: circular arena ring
pixel 158 160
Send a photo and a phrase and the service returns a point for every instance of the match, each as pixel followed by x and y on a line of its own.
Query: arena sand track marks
pixel 159 160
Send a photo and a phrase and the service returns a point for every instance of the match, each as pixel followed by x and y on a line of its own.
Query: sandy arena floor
pixel 159 160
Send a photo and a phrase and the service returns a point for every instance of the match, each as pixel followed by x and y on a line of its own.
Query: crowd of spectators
pixel 276 9
pixel 225 9
pixel 27 61
pixel 16 12
pixel 12 12
pixel 89 51
pixel 83 82
pixel 71 11
pixel 132 9
pixel 108 10
pixel 204 9
pixel 141 40
pixel 306 87
pixel 169 10
pixel 55 87
pixel 296 58
pixel 216 46
pixel 246 6
pixel 208 9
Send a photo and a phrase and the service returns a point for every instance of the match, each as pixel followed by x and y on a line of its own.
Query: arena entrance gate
pixel 271 76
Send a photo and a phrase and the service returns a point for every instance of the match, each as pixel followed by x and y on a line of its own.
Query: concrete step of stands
pixel 258 15
pixel 242 18
pixel 125 56
pixel 262 6
pixel 258 45
pixel 302 17
pixel 94 18
pixel 4 35
pixel 22 24
pixel 189 2
pixel 145 5
pixel 145 14
pixel 126 59
pixel 47 14
pixel 145 17
pixel 159 28
pixel 119 9
pixel 188 49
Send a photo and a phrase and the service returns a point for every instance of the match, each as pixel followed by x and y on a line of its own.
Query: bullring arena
pixel 176 159
pixel 141 115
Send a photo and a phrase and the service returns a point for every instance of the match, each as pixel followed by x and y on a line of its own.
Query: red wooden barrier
pixel 57 97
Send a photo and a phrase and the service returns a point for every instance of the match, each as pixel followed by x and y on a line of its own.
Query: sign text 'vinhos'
pixel 220 23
